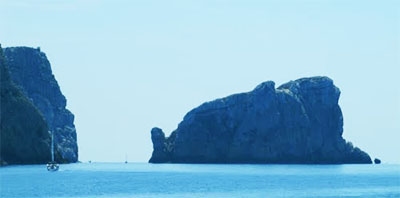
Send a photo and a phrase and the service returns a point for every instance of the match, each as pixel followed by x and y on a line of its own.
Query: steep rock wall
pixel 24 137
pixel 31 72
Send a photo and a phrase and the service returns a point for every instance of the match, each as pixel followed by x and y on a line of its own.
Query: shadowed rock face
pixel 23 131
pixel 299 122
pixel 30 71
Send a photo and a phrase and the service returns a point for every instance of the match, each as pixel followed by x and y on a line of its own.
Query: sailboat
pixel 52 166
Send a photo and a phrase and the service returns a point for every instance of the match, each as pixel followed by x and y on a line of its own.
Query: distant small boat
pixel 52 166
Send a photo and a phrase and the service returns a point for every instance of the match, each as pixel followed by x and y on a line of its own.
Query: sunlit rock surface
pixel 298 122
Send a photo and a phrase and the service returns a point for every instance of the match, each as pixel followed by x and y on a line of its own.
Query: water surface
pixel 193 180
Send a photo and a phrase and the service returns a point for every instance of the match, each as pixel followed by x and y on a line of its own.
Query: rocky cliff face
pixel 31 72
pixel 23 130
pixel 299 122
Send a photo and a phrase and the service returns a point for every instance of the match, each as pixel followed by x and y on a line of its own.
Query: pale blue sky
pixel 127 66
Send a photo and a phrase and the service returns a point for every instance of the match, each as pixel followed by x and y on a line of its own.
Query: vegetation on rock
pixel 24 133
pixel 32 105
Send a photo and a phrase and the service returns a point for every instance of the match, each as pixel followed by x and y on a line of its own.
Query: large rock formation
pixel 31 72
pixel 299 122
pixel 23 131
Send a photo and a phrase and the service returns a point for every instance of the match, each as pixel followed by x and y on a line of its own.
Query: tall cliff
pixel 298 122
pixel 31 73
pixel 24 137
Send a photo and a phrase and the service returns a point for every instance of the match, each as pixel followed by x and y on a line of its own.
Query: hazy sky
pixel 128 66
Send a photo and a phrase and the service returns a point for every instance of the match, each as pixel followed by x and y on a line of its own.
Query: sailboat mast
pixel 52 166
pixel 52 147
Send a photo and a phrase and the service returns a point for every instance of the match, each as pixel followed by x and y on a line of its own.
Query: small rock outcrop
pixel 30 71
pixel 298 122
pixel 377 161
pixel 23 131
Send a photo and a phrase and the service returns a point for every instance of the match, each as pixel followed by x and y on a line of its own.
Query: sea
pixel 89 180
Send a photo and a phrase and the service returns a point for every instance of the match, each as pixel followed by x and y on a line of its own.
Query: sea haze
pixel 200 180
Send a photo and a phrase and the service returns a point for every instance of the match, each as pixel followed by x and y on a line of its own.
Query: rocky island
pixel 32 105
pixel 299 122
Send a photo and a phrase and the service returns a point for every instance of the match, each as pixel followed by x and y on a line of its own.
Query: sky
pixel 128 66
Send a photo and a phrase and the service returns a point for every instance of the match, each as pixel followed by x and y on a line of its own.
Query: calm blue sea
pixel 185 180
